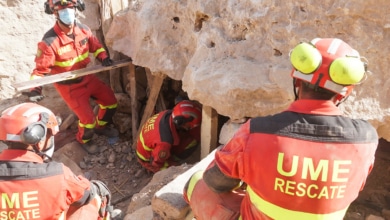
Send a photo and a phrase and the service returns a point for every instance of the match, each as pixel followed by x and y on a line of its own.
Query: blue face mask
pixel 67 15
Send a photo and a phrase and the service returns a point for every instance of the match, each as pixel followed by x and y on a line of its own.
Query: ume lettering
pixel 327 177
pixel 23 205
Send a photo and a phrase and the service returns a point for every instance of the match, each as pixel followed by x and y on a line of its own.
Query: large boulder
pixel 230 55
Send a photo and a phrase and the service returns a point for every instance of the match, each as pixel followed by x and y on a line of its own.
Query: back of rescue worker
pixel 311 166
pixel 308 162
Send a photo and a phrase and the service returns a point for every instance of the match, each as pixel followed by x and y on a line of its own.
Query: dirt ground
pixel 115 164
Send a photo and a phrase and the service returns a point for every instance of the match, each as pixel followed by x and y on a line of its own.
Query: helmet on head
pixel 52 5
pixel 187 114
pixel 28 123
pixel 329 63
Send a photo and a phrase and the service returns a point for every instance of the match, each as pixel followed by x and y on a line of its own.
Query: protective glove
pixel 35 94
pixel 107 62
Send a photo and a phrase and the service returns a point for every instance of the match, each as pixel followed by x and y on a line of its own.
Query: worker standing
pixel 170 136
pixel 308 162
pixel 67 47
pixel 33 186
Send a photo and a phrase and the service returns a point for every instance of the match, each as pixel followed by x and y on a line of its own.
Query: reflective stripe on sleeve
pixel 98 51
pixel 192 144
pixel 194 179
pixel 276 212
pixel 141 157
pixel 141 138
pixel 165 166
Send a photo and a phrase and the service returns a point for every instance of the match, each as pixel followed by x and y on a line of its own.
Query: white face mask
pixel 67 15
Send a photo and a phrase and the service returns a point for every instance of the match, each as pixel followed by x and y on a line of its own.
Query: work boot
pixel 107 131
pixel 90 147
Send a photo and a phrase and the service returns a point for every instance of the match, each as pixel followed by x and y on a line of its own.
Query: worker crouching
pixel 170 136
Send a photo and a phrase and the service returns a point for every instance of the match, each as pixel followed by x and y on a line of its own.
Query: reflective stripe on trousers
pixel 276 212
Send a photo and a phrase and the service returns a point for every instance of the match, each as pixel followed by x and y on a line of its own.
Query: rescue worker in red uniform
pixel 308 162
pixel 33 186
pixel 170 136
pixel 67 47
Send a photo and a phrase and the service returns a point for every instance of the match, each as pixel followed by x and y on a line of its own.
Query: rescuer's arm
pixel 225 173
pixel 160 155
pixel 217 181
pixel 44 60
pixel 98 50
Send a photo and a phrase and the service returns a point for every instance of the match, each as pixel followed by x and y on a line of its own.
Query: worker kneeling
pixel 32 185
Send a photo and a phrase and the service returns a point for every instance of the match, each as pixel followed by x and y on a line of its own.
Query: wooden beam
pixel 209 131
pixel 134 102
pixel 116 76
pixel 160 105
pixel 68 75
pixel 151 103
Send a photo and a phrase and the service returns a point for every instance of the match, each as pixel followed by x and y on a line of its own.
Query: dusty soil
pixel 115 164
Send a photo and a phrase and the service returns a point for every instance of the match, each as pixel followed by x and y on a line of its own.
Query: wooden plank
pixel 116 76
pixel 154 92
pixel 68 75
pixel 160 105
pixel 149 76
pixel 209 131
pixel 134 102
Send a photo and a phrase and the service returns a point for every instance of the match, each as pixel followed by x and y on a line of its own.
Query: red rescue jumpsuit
pixel 32 189
pixel 161 145
pixel 308 162
pixel 59 53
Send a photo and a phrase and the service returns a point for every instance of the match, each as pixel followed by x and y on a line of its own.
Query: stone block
pixel 168 202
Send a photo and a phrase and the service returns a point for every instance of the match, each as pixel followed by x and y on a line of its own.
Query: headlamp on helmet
pixel 329 63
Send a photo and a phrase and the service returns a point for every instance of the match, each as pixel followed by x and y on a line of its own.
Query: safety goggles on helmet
pixel 329 63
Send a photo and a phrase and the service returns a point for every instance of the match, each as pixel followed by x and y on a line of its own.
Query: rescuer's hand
pixel 107 62
pixel 35 94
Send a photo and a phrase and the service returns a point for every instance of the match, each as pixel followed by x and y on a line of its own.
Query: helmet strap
pixel 318 82
pixel 43 153
pixel 296 84
pixel 340 99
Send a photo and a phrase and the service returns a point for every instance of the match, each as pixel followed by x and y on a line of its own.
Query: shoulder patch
pixel 162 154
pixel 39 53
